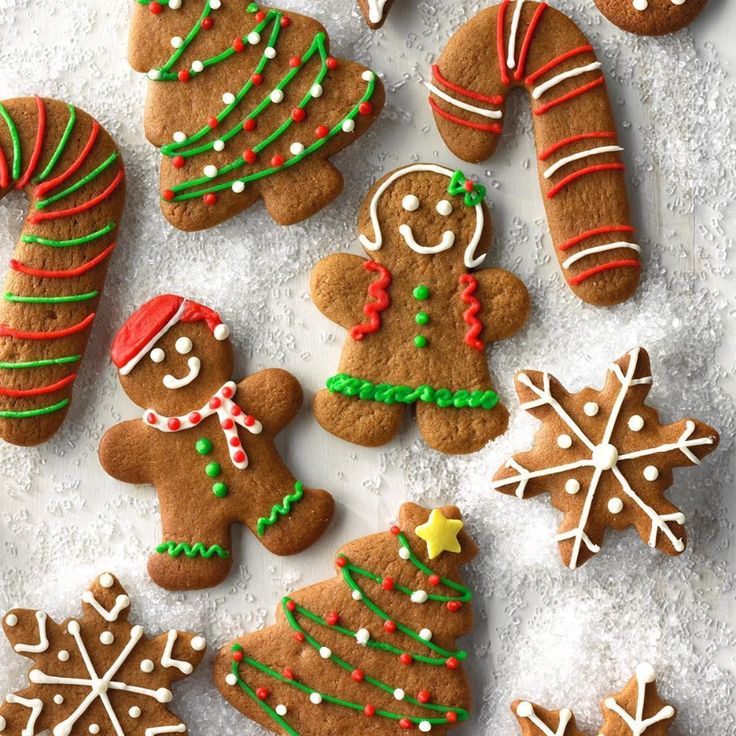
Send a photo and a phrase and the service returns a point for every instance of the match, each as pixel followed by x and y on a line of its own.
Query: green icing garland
pixel 41 363
pixel 198 549
pixel 281 509
pixel 387 393
pixel 62 145
pixel 291 610
pixel 15 140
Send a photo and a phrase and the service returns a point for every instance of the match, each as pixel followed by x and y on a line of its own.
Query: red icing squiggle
pixel 39 390
pixel 68 274
pixel 488 127
pixel 583 172
pixel 372 310
pixel 585 275
pixel 492 100
pixel 6 331
pixel 470 316
pixel 38 146
pixel 519 73
pixel 595 231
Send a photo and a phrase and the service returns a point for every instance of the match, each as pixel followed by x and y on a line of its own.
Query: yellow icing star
pixel 440 534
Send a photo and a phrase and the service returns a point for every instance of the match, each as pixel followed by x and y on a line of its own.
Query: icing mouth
pixel 448 240
pixel 194 367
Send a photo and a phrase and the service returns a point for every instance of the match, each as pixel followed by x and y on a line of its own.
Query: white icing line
pixel 598 249
pixel 550 170
pixel 121 603
pixel 539 90
pixel 35 705
pixel 511 59
pixel 168 661
pixel 43 641
pixel 493 114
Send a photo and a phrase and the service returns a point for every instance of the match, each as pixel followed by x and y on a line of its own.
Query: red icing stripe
pixel 68 274
pixel 488 127
pixel 470 316
pixel 373 310
pixel 570 95
pixel 519 73
pixel 557 61
pixel 40 390
pixel 583 172
pixel 6 331
pixel 4 174
pixel 573 139
pixel 500 32
pixel 47 186
pixel 38 146
pixel 596 231
pixel 88 205
pixel 492 100
pixel 602 268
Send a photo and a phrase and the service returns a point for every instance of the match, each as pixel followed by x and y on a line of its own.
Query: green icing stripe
pixel 60 148
pixel 79 184
pixel 15 139
pixel 198 549
pixel 41 363
pixel 281 509
pixel 387 393
pixel 10 297
pixel 74 241
pixel 165 69
pixel 34 412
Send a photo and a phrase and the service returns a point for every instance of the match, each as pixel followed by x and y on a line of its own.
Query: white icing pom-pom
pixel 399 694
pixel 198 643
pixel 177 42
pixel 368 75
pixel 135 712
pixel 362 636
pixel 230 679
pixel 524 709
pixel 238 187
pixel 425 634
pixel 180 136
pixel 254 38
pixel 146 665
pixel 444 208
pixel 357 595
pixel 197 66
pixel 107 638
pixel 348 126
pixel 419 596
pixel 645 672
pixel 106 580
pixel 218 145
pixel 316 90
pixel 281 709
pixel 315 698
pixel 11 620
pixel 425 726
pixel 325 652
pixel 296 148
pixel 154 74
pixel 277 96
pixel 210 170
pixel 222 331
pixel 270 52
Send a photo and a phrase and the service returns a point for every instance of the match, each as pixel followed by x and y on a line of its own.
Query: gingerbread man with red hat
pixel 206 444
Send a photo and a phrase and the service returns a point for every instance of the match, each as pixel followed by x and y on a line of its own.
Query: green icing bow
pixel 474 193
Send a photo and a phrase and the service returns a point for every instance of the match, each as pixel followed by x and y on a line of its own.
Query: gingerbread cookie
pixel 635 711
pixel 651 17
pixel 254 117
pixel 581 171
pixel 206 444
pixel 72 173
pixel 419 315
pixel 96 674
pixel 605 458
pixel 375 11
pixel 372 651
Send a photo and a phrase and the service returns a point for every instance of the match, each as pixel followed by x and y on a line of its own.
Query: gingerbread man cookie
pixel 581 170
pixel 246 103
pixel 97 674
pixel 651 17
pixel 72 173
pixel 206 444
pixel 419 315
pixel 605 458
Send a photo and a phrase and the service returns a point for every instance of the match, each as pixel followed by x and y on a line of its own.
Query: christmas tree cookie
pixel 419 315
pixel 372 651
pixel 246 103
pixel 606 459
pixel 206 444
pixel 97 674
pixel 635 711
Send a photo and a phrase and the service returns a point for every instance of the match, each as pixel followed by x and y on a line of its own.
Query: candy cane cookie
pixel 72 173
pixel 651 17
pixel 581 171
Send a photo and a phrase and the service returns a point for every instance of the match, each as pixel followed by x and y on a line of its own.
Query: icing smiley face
pixel 412 203
pixel 183 346
pixel 651 17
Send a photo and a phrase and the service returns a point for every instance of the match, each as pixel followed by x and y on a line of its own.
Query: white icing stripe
pixel 682 444
pixel 121 603
pixel 511 60
pixel 526 710
pixel 154 731
pixel 35 705
pixel 43 641
pixel 545 86
pixel 598 249
pixel 471 261
pixel 375 15
pixel 168 661
pixel 493 114
pixel 557 165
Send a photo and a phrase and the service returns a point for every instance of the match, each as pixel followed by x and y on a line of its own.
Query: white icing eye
pixel 158 355
pixel 183 346
pixel 410 203
pixel 444 208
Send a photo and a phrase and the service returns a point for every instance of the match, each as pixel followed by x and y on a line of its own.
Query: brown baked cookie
pixel 375 11
pixel 635 711
pixel 419 315
pixel 581 173
pixel 605 458
pixel 96 674
pixel 206 444
pixel 72 174
pixel 371 652
pixel 254 117
pixel 651 17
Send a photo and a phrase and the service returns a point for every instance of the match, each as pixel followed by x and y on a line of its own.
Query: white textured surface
pixel 542 632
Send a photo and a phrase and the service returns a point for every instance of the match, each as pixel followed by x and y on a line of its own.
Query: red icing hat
pixel 146 326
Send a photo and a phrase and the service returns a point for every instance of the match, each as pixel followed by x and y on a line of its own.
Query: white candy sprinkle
pixel 564 441
pixel 218 145
pixel 107 637
pixel 270 52
pixel 254 38
pixel 94 728
pixel 154 74
pixel 316 90
pixel 591 408
pixel 572 486
pixel 419 596
pixel 210 170
pixel 425 634
pixel 198 643
pixel 63 655
pixel 146 665
pixel 296 148
pixel 215 4
pixel 238 186
pixel 106 580
pixel 277 96
pixel 177 42
pixel 228 98
pixel 615 505
pixel 357 595
pixel 404 553
pixel 3 723
pixel 399 694
pixel 230 679
pixel 362 636
pixel 180 136
pixel 325 652
pixel 58 699
pixel 348 126
pixel 315 698
pixel 197 66
pixel 281 709
pixel 368 75
pixel 636 423
pixel 651 473
pixel 425 726
pixel 174 4
pixel 135 712
pixel 11 620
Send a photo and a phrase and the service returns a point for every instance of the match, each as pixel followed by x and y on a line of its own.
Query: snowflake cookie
pixel 635 711
pixel 97 674
pixel 606 458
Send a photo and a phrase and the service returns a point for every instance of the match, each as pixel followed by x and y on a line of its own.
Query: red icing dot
pixel 155 8
pixel 358 675
pixel 277 160
pixel 369 710
pixel 452 663
pixel 331 62
pixel 298 114
pixel 434 579
pixel 178 162
pixel 261 693
pixel 260 15
pixel 151 418
pixel 285 21
pixel 454 606
pixel 238 45
pixel 332 618
pixel 366 108
pixel 184 75
pixel 207 23
pixel 389 626
pixel 406 658
pixel 395 530
pixel 451 716
pixel 249 420
pixel 321 131
pixel 236 411
pixel 249 156
pixel 173 423
pixel 168 195
pixel 387 584
pixel 195 417
pixel 288 674
pixel 212 121
pixel 299 636
pixel 210 198
pixel 238 656
pixel 227 392
pixel 405 723
pixel 295 61
pixel 228 423
pixel 291 606
pixel 341 562
pixel 239 456
pixel 234 442
pixel 215 403
pixel 250 124
pixel 424 696
pixel 468 186
pixel 257 79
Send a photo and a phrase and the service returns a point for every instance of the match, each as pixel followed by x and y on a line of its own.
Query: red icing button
pixel 210 198
pixel 389 626
pixel 238 45
pixel 173 424
pixel 207 23
pixel 236 411
pixel 321 131
pixel 365 108
pixel 298 114
pixel 184 75
pixel 358 675
pixel 295 61
pixel 151 418
pixel 341 562
pixel 299 636
pixel 434 579
pixel 178 162
pixel 395 530
pixel 369 710
pixel 215 403
pixel 387 584
pixel 249 420
pixel 227 392
pixel 261 693
pixel 249 156
pixel 260 15
pixel 452 663
pixel 468 186
pixel 331 62
pixel 424 696
pixel 406 658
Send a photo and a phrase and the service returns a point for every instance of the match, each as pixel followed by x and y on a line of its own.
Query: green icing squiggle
pixel 281 509
pixel 198 549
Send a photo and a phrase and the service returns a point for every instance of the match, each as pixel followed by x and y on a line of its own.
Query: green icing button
pixel 421 292
pixel 213 470
pixel 420 341
pixel 203 446
pixel 220 490
pixel 422 318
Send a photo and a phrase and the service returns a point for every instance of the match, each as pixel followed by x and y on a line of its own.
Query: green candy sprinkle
pixel 213 470
pixel 203 446
pixel 420 341
pixel 421 292
pixel 220 490
pixel 422 318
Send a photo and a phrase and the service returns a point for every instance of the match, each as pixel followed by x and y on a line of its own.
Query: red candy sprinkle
pixel 424 696
pixel 299 636
pixel 238 656
pixel 151 418
pixel 405 723
pixel 173 424
pixel 468 186
pixel 249 420
pixel 212 121
pixel 228 423
pixel 261 693
pixel 454 606
pixel 341 562
pixel 155 8
pixel 291 606
pixel 365 108
pixel 369 710
pixel 250 124
pixel 236 411
pixel 178 162
pixel 395 530
pixel 434 579
pixel 215 403
pixel 389 626
pixel 239 456
pixel 285 21
pixel 195 417
pixel 249 156
pixel 260 15
pixel 298 114
pixel 207 23
pixel 238 45
pixel 168 195
pixel 288 674
pixel 332 618
pixel 331 62
pixel 358 675
pixel 234 442
pixel 406 659
pixel 295 61
pixel 387 584
pixel 184 75
pixel 227 392
pixel 451 716
pixel 277 160
pixel 321 131
pixel 257 79
pixel 452 663
pixel 210 198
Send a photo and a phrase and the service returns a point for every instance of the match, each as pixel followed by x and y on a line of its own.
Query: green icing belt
pixel 387 393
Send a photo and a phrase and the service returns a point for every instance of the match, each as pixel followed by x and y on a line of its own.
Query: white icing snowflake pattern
pixel 96 698
pixel 605 458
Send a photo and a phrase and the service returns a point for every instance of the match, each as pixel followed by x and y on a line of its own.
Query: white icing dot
pixel 404 553
pixel 277 96
pixel 444 208
pixel 154 74
pixel 238 187
pixel 348 126
pixel 174 4
pixel 222 332
pixel 651 473
pixel 296 148
pixel 270 52
pixel 63 655
pixel 325 652
pixel 399 694
pixel 315 698
pixel 357 595
pixel 210 170
pixel 645 673
pixel 163 695
pixel 107 637
pixel 425 726
pixel 316 90
pixel 524 709
pixel 419 596
pixel 158 355
pixel 636 423
pixel 180 136
pixel 564 441
pixel 411 204
pixel 135 712
pixel 572 486
pixel 198 643
pixel 425 634
pixel 218 145
pixel 214 4
pixel 254 38
pixel 368 75
pixel 183 345
pixel 228 98
pixel 11 620
pixel 362 636
pixel 615 505
pixel 106 580
pixel 197 66
pixel 94 728
pixel 591 408
pixel 231 679
pixel 641 5
pixel 281 709
pixel 58 699
pixel 146 665
pixel 177 42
